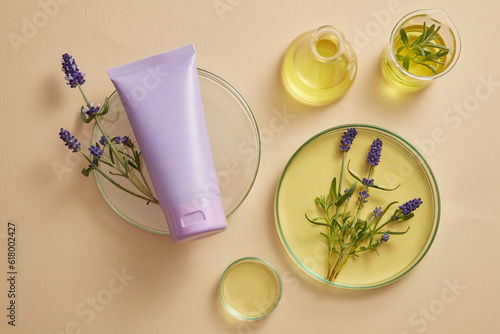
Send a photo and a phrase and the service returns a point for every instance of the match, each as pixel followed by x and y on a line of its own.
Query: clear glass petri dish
pixel 309 173
pixel 235 141
pixel 250 288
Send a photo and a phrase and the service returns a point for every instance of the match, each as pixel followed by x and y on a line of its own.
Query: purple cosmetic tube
pixel 162 98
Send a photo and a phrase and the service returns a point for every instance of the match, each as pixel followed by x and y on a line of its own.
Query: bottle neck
pixel 327 44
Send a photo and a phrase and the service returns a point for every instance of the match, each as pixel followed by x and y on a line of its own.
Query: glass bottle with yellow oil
pixel 319 66
pixel 424 45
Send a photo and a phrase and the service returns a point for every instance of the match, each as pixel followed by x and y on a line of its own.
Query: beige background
pixel 71 243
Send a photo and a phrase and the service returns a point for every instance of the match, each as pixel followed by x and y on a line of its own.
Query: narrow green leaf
pixel 348 194
pixel 333 189
pixel 83 116
pixel 404 37
pixel 416 41
pixel 396 232
pixel 316 223
pixel 406 62
pixel 429 32
pixel 105 107
pixel 432 68
pixel 384 188
pixel 111 156
pixel 326 236
pixel 353 174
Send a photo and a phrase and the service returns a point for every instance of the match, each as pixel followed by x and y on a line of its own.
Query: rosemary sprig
pixel 422 50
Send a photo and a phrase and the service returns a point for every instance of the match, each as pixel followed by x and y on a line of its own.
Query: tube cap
pixel 196 219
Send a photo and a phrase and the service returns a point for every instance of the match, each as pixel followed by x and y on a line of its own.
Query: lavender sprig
pixel 73 74
pixel 118 153
pixel 348 235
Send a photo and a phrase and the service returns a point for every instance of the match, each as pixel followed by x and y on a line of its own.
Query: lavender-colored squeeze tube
pixel 162 98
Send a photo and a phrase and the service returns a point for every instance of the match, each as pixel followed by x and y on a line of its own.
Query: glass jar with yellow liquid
pixel 415 75
pixel 319 66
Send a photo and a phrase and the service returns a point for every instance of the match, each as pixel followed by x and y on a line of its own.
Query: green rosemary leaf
pixel 404 37
pixel 432 68
pixel 416 41
pixel 406 62
pixel 422 51
pixel 429 32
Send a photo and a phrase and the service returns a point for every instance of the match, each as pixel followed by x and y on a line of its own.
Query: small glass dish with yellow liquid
pixel 424 45
pixel 250 288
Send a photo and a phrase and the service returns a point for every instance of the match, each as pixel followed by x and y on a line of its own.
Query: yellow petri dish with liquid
pixel 250 288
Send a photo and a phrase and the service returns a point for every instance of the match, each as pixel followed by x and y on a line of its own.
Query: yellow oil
pixel 250 289
pixel 402 79
pixel 310 175
pixel 318 80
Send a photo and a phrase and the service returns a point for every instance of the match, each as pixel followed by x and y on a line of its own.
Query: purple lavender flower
pixel 410 206
pixel 123 140
pixel 91 110
pixel 73 74
pixel 96 151
pixel 126 140
pixel 363 195
pixel 378 211
pixel 95 162
pixel 367 182
pixel 375 152
pixel 103 141
pixel 347 138
pixel 70 140
pixel 385 237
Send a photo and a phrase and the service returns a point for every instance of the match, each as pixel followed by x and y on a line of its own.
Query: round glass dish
pixel 235 142
pixel 309 173
pixel 250 288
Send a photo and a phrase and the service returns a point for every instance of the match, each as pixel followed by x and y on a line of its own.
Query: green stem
pixel 151 200
pixel 83 94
